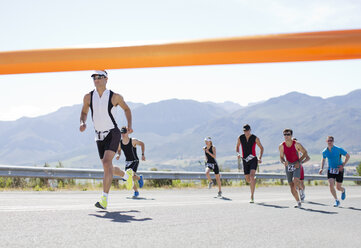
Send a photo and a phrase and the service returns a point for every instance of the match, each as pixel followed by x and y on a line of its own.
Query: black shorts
pixel 214 167
pixel 111 142
pixel 250 165
pixel 338 177
pixel 132 165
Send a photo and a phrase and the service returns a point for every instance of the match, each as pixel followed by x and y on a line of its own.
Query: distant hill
pixel 173 130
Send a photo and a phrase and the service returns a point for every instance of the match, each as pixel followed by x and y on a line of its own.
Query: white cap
pixel 100 73
pixel 207 139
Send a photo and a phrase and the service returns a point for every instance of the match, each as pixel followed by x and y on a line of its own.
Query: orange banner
pixel 313 46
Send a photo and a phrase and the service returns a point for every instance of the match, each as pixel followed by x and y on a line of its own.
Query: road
pixel 180 218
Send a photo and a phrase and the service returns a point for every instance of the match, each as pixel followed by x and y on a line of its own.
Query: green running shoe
pixel 102 203
pixel 129 183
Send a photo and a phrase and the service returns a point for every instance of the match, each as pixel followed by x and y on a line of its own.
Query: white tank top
pixel 103 111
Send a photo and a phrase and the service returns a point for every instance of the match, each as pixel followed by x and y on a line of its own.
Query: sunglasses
pixel 286 134
pixel 98 77
pixel 329 140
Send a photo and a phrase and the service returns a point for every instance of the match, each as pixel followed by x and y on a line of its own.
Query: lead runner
pixel 103 103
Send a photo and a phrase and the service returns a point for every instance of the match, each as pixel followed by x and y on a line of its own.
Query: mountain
pixel 174 130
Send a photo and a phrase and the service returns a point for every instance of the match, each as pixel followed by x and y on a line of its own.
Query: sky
pixel 41 24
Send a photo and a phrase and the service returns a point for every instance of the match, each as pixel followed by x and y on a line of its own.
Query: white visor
pixel 207 139
pixel 100 73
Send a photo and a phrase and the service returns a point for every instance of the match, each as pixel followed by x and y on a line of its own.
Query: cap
pixel 246 127
pixel 123 130
pixel 100 73
pixel 207 139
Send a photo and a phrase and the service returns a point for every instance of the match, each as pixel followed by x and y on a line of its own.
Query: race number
pixel 209 165
pixel 334 170
pixel 291 167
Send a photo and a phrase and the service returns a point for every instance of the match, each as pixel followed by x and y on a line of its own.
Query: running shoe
pixel 141 182
pixel 252 200
pixel 299 205
pixel 210 185
pixel 343 195
pixel 136 194
pixel 337 203
pixel 219 194
pixel 129 184
pixel 102 203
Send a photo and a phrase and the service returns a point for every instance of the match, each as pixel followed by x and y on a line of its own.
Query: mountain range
pixel 175 129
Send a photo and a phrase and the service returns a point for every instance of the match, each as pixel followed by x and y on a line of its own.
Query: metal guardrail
pixel 66 173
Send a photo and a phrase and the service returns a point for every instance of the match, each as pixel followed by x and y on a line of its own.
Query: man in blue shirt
pixel 335 168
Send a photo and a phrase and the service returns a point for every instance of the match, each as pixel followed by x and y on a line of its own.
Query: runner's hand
pixel 130 130
pixel 117 156
pixel 260 161
pixel 320 172
pixel 340 168
pixel 82 127
pixel 143 158
pixel 286 163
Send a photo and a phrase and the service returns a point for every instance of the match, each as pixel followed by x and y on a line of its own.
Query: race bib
pixel 291 167
pixel 209 165
pixel 128 163
pixel 249 158
pixel 334 170
pixel 100 136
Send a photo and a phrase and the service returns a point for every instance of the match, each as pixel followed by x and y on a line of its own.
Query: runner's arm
pixel 282 155
pixel 322 165
pixel 119 152
pixel 346 160
pixel 136 142
pixel 84 112
pixel 237 148
pixel 210 154
pixel 258 142
pixel 128 113
pixel 301 149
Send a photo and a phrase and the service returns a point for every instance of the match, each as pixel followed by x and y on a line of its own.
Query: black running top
pixel 210 159
pixel 129 150
pixel 248 147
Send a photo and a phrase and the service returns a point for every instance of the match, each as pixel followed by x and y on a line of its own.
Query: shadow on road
pixel 223 198
pixel 352 208
pixel 270 205
pixel 316 203
pixel 119 216
pixel 140 198
pixel 317 211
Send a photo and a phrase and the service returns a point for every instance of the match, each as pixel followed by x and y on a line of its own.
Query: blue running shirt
pixel 334 156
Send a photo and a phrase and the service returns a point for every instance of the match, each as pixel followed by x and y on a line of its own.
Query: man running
pixel 302 186
pixel 211 164
pixel 291 149
pixel 335 168
pixel 129 147
pixel 250 161
pixel 103 103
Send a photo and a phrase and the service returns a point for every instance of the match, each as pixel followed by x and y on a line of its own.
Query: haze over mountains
pixel 175 129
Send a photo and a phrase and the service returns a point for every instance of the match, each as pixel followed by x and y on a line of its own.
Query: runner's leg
pixel 108 170
pixel 331 182
pixel 252 180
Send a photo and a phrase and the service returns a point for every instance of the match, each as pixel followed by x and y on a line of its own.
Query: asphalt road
pixel 180 218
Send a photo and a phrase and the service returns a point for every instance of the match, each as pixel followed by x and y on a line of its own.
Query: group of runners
pixel 111 141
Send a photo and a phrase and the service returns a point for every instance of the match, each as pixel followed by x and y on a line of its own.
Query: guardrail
pixel 66 173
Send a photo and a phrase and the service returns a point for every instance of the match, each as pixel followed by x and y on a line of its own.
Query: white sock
pixel 106 195
pixel 126 176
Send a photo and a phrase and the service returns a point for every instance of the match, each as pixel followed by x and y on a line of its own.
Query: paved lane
pixel 180 218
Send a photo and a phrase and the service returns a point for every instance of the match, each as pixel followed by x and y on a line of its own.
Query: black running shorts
pixel 111 142
pixel 338 177
pixel 132 165
pixel 250 165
